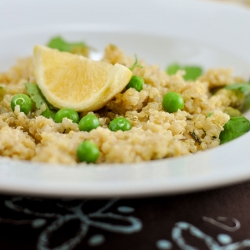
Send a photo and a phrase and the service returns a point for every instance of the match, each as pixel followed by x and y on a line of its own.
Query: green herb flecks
pixel 192 72
pixel 37 97
pixel 136 64
pixel 195 137
pixel 241 88
pixel 75 48
pixel 173 68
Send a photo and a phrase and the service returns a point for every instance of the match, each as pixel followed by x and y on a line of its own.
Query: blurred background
pixel 245 2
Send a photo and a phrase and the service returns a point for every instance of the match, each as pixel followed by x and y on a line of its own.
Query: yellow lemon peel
pixel 74 81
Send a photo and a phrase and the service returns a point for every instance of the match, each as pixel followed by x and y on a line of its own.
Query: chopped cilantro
pixel 48 113
pixel 242 87
pixel 173 68
pixel 62 45
pixel 195 137
pixel 37 97
pixel 136 64
pixel 235 127
pixel 192 72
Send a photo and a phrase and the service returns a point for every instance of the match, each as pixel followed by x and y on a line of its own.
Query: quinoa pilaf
pixel 154 134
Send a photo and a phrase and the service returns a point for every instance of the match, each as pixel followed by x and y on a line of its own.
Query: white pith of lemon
pixel 73 81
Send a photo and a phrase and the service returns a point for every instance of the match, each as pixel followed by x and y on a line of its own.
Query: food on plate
pixel 76 82
pixel 59 106
pixel 87 152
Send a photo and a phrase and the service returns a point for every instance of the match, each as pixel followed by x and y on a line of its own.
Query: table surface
pixel 216 219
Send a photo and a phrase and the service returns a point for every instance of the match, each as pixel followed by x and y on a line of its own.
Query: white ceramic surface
pixel 159 31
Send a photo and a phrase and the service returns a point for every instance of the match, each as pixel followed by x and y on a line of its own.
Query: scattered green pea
pixel 89 122
pixel 66 113
pixel 119 123
pixel 88 152
pixel 23 101
pixel 235 127
pixel 136 82
pixel 172 101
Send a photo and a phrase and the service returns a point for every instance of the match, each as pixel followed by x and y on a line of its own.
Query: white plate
pixel 161 32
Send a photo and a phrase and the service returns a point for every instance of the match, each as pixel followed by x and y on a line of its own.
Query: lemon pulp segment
pixel 74 81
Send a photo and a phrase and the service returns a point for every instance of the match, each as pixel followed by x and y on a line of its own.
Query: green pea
pixel 119 123
pixel 172 101
pixel 66 113
pixel 235 127
pixel 89 122
pixel 136 82
pixel 23 101
pixel 88 152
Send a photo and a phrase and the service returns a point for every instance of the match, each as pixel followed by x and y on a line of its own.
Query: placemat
pixel 217 219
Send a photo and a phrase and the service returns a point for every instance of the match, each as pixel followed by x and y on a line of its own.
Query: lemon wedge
pixel 73 81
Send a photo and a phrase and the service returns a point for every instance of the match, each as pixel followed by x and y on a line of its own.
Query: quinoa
pixel 155 133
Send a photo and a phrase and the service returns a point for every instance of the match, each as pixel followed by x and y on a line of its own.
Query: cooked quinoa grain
pixel 155 133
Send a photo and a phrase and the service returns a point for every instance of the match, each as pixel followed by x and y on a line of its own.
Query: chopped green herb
pixel 195 137
pixel 37 97
pixel 62 45
pixel 235 127
pixel 47 113
pixel 135 65
pixel 192 72
pixel 242 87
pixel 173 68
pixel 209 114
